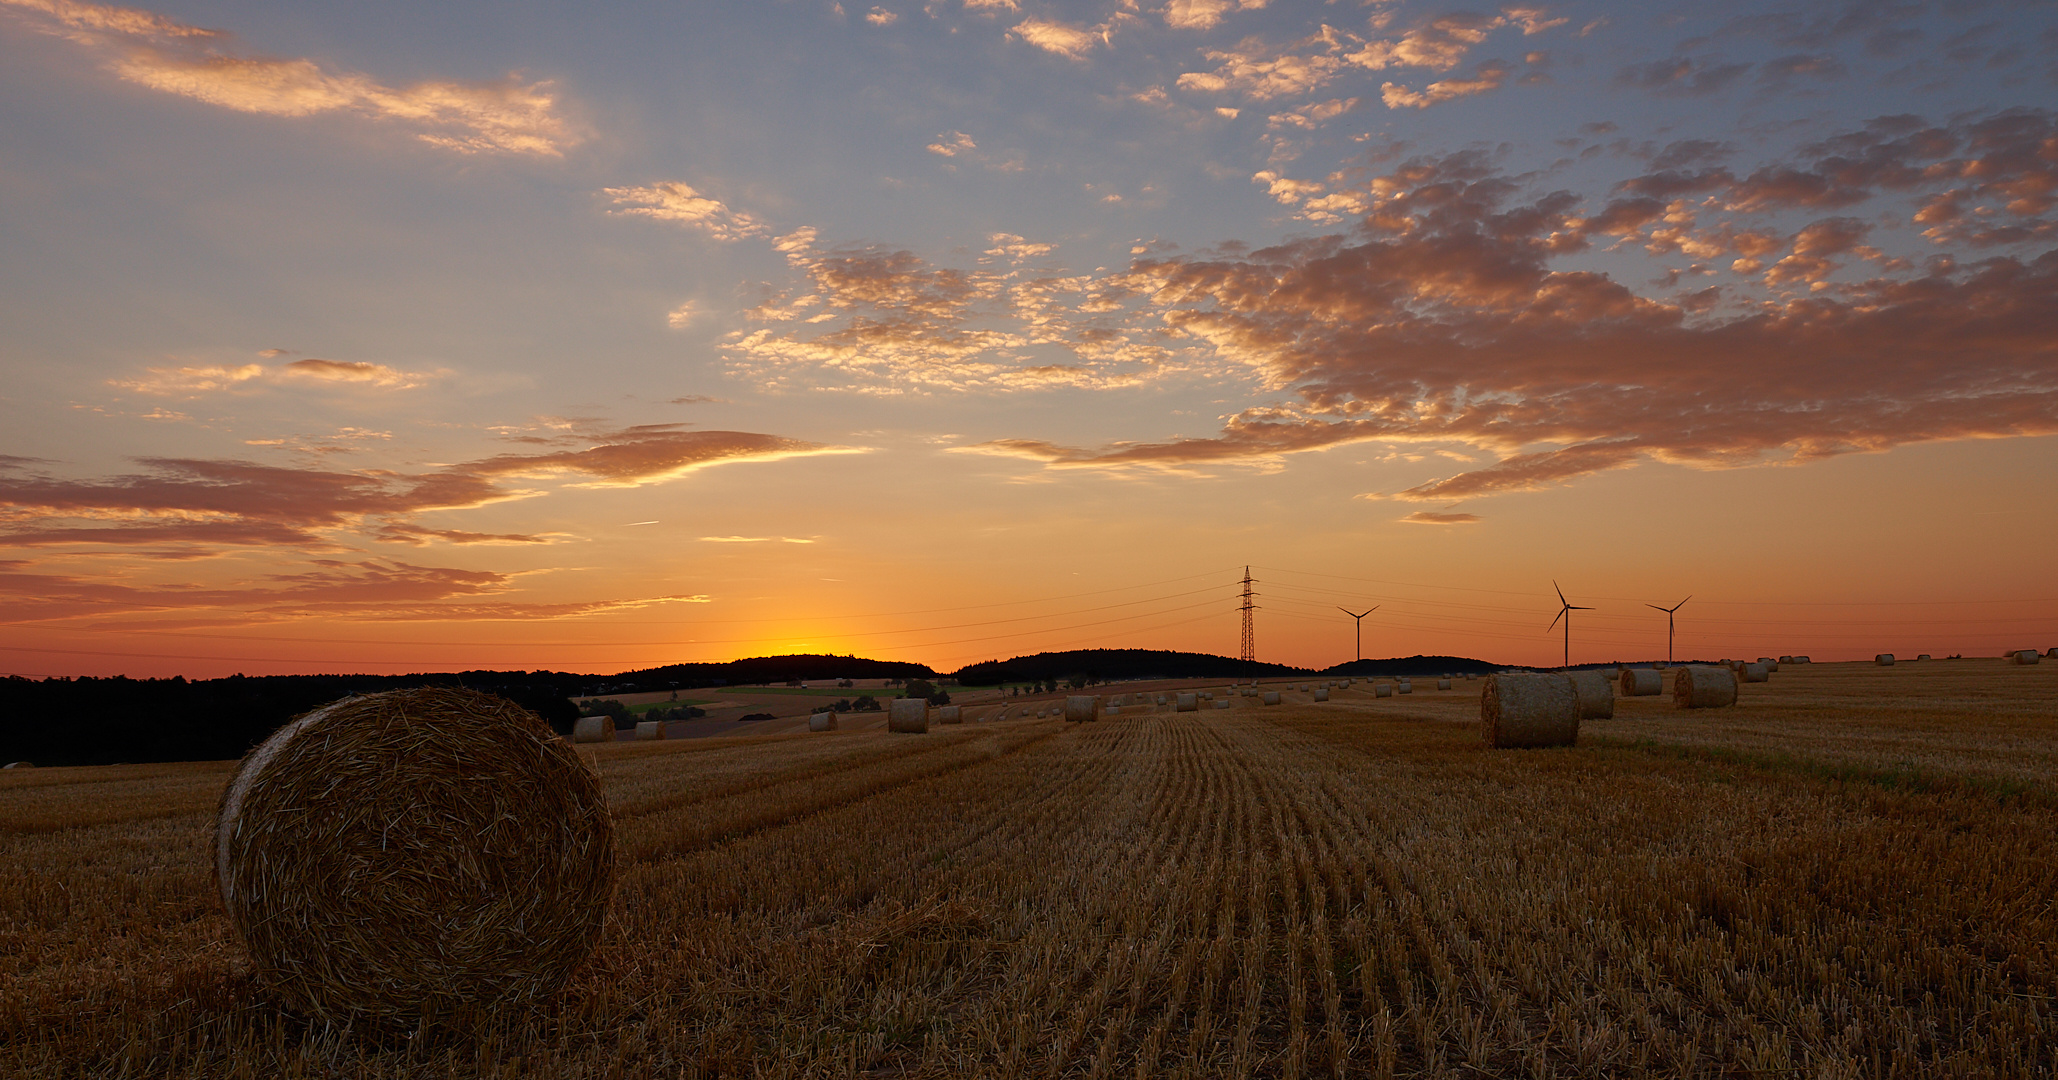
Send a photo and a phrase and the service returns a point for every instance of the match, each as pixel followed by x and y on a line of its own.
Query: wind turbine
pixel 1565 610
pixel 1360 616
pixel 1669 612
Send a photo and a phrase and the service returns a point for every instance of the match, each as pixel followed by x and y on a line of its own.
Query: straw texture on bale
pixel 1383 690
pixel 1755 673
pixel 1080 708
pixel 1520 710
pixel 647 730
pixel 826 721
pixel 594 729
pixel 415 854
pixel 1642 682
pixel 1271 697
pixel 1443 684
pixel 1885 659
pixel 950 714
pixel 1187 703
pixel 1596 695
pixel 1702 686
pixel 908 714
pixel 2025 656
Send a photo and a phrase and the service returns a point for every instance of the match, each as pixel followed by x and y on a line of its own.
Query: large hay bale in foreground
pixel 1521 710
pixel 1701 686
pixel 2024 656
pixel 908 714
pixel 1187 703
pixel 647 730
pixel 826 721
pixel 1082 708
pixel 1596 695
pixel 1642 682
pixel 415 854
pixel 594 729
pixel 1756 673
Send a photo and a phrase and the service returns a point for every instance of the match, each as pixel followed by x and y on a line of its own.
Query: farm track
pixel 1344 890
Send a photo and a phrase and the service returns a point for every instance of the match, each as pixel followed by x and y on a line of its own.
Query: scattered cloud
pixel 150 50
pixel 1204 14
pixel 757 539
pixel 202 379
pixel 676 202
pixel 879 16
pixel 1064 39
pixel 1489 76
pixel 1431 517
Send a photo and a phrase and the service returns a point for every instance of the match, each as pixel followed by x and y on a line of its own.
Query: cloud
pixel 1430 517
pixel 202 379
pixel 676 202
pixel 150 50
pixel 1489 76
pixel 225 502
pixel 879 16
pixel 952 143
pixel 1064 39
pixel 1204 14
pixel 1444 318
pixel 756 540
pixel 1680 77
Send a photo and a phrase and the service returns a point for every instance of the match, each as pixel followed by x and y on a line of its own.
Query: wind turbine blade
pixel 1561 592
pixel 1554 621
pixel 1681 604
pixel 1655 607
pixel 1580 607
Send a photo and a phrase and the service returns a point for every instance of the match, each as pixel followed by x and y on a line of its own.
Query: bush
pixel 865 703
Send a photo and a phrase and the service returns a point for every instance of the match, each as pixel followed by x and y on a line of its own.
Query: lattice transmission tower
pixel 1250 638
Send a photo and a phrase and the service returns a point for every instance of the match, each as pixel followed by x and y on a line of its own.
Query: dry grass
pixel 1851 873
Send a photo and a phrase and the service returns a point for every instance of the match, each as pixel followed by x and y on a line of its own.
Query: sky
pixel 394 337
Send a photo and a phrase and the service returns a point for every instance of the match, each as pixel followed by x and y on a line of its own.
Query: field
pixel 1851 874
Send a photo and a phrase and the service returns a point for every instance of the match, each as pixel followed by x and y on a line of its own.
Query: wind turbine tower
pixel 1565 610
pixel 1360 616
pixel 1669 612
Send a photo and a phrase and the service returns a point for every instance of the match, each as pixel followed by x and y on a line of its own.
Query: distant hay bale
pixel 1187 703
pixel 1443 684
pixel 1642 682
pixel 1080 708
pixel 950 714
pixel 1469 676
pixel 1801 660
pixel 1161 699
pixel 1221 703
pixel 1321 693
pixel 1596 694
pixel 594 729
pixel 1383 690
pixel 1405 686
pixel 2051 654
pixel 1112 710
pixel 1885 659
pixel 909 714
pixel 1921 656
pixel 1703 686
pixel 1522 710
pixel 1271 697
pixel 1661 665
pixel 1756 673
pixel 826 721
pixel 415 854
pixel 1786 659
pixel 2024 656
pixel 1773 665
pixel 647 730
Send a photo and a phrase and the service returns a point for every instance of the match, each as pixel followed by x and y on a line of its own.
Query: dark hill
pixel 1109 665
pixel 1415 665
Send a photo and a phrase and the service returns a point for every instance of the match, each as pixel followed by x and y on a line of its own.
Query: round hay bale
pixel 1187 703
pixel 415 854
pixel 1921 656
pixel 826 721
pixel 908 714
pixel 1271 697
pixel 1703 686
pixel 1885 659
pixel 1443 684
pixel 950 714
pixel 1112 710
pixel 1383 690
pixel 1321 693
pixel 1773 665
pixel 1756 673
pixel 647 730
pixel 1786 659
pixel 1801 660
pixel 1082 708
pixel 1221 703
pixel 1405 686
pixel 594 729
pixel 1596 694
pixel 2024 656
pixel 1642 682
pixel 2051 654
pixel 1521 710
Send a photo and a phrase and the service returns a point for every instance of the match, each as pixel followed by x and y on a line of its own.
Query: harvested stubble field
pixel 1852 873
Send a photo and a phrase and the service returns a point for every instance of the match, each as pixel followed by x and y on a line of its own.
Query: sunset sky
pixel 395 337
